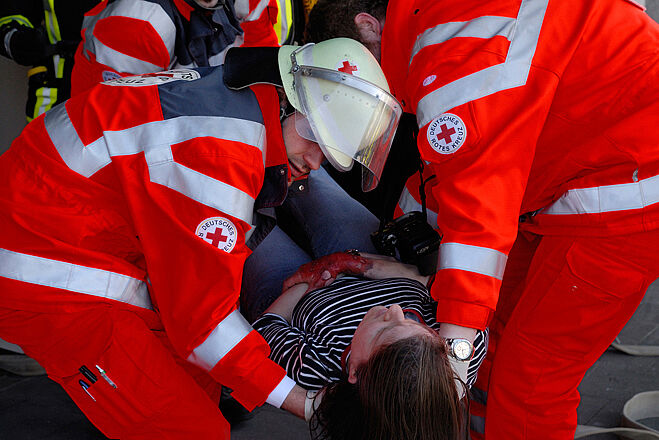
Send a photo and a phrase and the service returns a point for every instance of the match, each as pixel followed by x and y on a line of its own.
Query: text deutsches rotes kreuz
pixel 446 133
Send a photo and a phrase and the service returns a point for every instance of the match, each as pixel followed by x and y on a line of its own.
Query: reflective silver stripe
pixel 242 10
pixel 608 198
pixel 149 12
pixel 407 204
pixel 484 261
pixel 155 139
pixel 7 41
pixel 72 277
pixel 122 62
pixel 481 27
pixel 228 333
pixel 256 13
pixel 197 186
pixel 512 73
pixel 81 159
pixel 218 58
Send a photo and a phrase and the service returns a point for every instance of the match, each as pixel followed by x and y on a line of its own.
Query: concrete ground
pixel 35 408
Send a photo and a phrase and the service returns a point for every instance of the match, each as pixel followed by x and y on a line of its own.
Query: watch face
pixel 462 349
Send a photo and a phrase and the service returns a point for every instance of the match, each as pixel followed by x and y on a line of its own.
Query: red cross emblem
pixel 445 134
pixel 217 237
pixel 347 68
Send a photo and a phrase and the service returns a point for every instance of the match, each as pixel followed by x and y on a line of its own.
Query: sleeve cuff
pixel 281 391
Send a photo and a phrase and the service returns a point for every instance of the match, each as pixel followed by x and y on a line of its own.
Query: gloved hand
pixel 321 272
pixel 25 45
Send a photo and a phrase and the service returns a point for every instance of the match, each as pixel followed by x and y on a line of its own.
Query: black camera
pixel 410 239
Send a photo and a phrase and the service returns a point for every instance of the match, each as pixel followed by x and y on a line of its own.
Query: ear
pixel 369 28
pixel 352 374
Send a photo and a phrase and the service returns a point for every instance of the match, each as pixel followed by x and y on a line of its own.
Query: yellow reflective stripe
pixel 283 27
pixel 51 21
pixel 19 18
pixel 35 70
pixel 46 97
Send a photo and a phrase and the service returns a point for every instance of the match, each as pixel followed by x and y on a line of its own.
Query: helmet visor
pixel 350 118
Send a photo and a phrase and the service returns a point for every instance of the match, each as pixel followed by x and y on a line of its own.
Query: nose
pixel 394 313
pixel 314 158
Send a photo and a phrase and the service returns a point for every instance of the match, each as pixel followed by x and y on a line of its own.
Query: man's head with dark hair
pixel 334 18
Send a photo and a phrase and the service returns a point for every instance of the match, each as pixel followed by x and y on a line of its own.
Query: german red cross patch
pixel 446 133
pixel 218 231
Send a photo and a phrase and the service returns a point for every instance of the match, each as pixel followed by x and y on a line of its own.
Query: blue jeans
pixel 331 221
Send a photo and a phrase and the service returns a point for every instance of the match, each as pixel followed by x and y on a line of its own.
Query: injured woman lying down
pixel 369 342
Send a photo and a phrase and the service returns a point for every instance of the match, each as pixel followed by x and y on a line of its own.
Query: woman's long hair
pixel 405 391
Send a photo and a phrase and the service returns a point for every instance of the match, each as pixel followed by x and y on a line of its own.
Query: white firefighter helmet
pixel 344 98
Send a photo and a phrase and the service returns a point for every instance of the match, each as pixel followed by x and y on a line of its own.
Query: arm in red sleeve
pixel 127 37
pixel 480 114
pixel 194 244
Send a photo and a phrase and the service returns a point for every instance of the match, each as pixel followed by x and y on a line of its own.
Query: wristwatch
pixel 460 349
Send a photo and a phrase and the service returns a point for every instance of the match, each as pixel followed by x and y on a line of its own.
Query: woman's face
pixel 381 326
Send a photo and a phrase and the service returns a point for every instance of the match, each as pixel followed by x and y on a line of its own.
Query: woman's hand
pixel 323 271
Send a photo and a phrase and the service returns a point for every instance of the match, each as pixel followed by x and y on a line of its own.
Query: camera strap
pixel 422 189
pixel 422 194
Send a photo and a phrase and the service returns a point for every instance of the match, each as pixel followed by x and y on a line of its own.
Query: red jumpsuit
pixel 125 219
pixel 546 110
pixel 132 37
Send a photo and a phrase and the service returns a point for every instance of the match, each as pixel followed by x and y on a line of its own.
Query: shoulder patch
pixel 218 231
pixel 156 78
pixel 446 133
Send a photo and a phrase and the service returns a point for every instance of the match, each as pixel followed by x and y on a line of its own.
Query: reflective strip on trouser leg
pixel 74 278
pixel 226 335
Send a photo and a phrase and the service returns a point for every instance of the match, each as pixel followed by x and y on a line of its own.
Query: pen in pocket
pixel 87 373
pixel 84 386
pixel 105 376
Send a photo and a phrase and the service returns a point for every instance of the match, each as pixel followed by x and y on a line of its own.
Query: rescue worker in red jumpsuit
pixel 538 120
pixel 131 37
pixel 127 213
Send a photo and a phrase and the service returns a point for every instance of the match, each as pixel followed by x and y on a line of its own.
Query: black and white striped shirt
pixel 324 320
